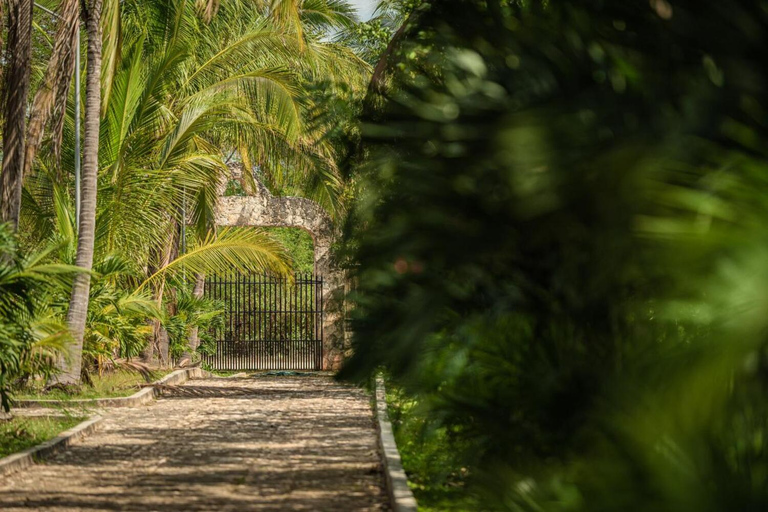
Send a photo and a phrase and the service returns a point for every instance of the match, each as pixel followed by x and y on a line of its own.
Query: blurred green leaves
pixel 560 248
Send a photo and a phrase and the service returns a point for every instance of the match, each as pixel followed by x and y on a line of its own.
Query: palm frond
pixel 111 48
pixel 244 249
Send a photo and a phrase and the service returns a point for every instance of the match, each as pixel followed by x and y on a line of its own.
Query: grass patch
pixel 223 373
pixel 20 433
pixel 430 459
pixel 110 385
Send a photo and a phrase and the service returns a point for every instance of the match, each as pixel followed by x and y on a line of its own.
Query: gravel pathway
pixel 260 443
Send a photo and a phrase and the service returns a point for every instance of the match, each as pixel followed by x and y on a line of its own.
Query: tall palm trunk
pixel 78 303
pixel 19 58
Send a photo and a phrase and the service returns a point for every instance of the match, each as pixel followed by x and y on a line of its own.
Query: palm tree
pixel 78 304
pixel 19 57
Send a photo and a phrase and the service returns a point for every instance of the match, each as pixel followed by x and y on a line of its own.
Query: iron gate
pixel 270 322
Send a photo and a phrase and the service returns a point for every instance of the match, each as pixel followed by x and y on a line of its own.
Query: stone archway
pixel 262 209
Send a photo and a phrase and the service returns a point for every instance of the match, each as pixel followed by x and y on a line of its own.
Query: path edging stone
pixel 141 397
pixel 28 457
pixel 400 494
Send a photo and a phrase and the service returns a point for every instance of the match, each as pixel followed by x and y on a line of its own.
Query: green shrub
pixel 32 337
pixel 560 248
pixel 191 312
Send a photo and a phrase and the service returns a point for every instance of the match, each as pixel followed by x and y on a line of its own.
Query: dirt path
pixel 263 443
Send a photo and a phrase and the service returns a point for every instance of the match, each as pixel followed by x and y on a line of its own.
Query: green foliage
pixel 109 384
pixel 21 433
pixel 234 188
pixel 430 456
pixel 203 314
pixel 560 249
pixel 299 245
pixel 31 338
pixel 244 249
pixel 370 38
pixel 117 323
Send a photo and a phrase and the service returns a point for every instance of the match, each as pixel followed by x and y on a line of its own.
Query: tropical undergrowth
pixel 430 455
pixel 112 383
pixel 186 93
pixel 32 335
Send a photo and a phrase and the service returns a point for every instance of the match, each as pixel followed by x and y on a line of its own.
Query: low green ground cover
pixel 223 373
pixel 435 474
pixel 109 385
pixel 20 433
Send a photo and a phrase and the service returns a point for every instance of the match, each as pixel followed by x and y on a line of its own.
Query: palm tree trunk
pixel 194 336
pixel 19 57
pixel 159 341
pixel 197 292
pixel 55 86
pixel 163 340
pixel 78 303
pixel 163 345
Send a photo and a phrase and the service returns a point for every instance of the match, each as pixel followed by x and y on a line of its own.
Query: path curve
pixel 259 443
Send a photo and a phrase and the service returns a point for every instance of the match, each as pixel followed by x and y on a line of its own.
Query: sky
pixel 364 8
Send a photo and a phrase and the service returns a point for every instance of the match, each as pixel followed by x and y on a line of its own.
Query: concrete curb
pixel 141 397
pixel 400 494
pixel 28 457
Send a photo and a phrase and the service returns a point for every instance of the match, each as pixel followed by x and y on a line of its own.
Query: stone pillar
pixel 333 310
